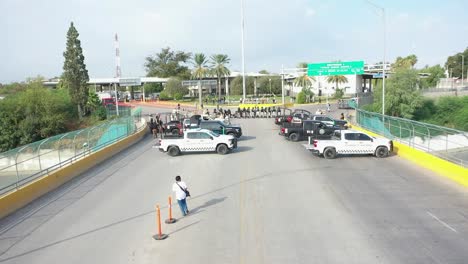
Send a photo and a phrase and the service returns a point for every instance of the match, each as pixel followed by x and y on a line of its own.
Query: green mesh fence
pixel 24 164
pixel 446 143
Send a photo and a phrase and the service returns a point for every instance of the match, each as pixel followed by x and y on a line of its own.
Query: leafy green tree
pixel 153 88
pixel 12 88
pixel 236 85
pixel 34 114
pixel 95 106
pixel 338 93
pixel 167 64
pixel 337 79
pixel 175 89
pixel 200 69
pixel 454 63
pixel 407 62
pixel 263 72
pixel 301 98
pixel 436 72
pixel 303 80
pixel 402 96
pixel 219 68
pixel 75 75
pixel 263 84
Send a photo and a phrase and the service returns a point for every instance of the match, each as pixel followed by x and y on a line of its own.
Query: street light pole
pixel 463 62
pixel 270 84
pixel 282 85
pixel 242 47
pixel 384 55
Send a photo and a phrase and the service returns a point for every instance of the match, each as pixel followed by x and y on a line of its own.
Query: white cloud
pixel 310 12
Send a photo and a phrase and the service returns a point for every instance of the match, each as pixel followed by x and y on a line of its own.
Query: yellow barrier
pixel 444 168
pixel 28 193
pixel 265 105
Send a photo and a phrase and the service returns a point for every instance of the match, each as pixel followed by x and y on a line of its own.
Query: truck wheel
pixel 222 149
pixel 231 134
pixel 175 131
pixel 321 131
pixel 173 151
pixel 329 153
pixel 294 137
pixel 381 152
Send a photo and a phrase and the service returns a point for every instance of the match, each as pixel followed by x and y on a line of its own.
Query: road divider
pixel 426 160
pixel 159 235
pixel 170 220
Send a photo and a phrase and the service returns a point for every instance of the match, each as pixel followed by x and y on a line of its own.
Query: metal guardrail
pixel 446 143
pixel 24 164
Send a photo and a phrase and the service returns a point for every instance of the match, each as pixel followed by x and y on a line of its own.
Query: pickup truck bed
pixel 308 128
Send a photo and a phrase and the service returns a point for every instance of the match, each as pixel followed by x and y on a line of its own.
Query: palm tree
pixel 303 80
pixel 200 70
pixel 219 69
pixel 337 79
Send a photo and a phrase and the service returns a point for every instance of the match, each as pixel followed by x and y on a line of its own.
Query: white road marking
pixel 442 222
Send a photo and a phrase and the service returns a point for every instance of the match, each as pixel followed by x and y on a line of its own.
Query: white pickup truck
pixel 350 142
pixel 198 140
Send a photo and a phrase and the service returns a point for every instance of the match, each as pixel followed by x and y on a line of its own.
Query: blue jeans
pixel 183 206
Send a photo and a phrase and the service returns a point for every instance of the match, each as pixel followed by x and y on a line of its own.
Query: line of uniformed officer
pixel 258 112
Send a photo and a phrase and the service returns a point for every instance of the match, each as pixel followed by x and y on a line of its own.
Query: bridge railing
pixel 449 144
pixel 24 164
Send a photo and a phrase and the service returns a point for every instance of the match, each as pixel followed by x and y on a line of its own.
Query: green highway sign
pixel 335 68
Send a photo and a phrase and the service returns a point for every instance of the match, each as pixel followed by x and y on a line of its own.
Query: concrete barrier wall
pixel 442 167
pixel 13 201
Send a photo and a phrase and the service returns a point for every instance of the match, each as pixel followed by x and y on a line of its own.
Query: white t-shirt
pixel 180 195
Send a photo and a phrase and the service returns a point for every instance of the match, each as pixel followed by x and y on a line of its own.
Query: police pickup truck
pixel 327 120
pixel 198 140
pixel 308 128
pixel 350 142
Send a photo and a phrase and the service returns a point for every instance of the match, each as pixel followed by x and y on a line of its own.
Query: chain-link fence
pixel 24 164
pixel 446 143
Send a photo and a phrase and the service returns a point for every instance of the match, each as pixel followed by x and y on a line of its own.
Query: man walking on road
pixel 181 192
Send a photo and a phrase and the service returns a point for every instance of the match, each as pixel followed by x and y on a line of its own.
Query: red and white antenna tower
pixel 117 71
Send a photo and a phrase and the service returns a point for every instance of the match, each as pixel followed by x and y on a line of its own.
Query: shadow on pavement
pixel 241 149
pixel 245 138
pixel 206 204
pixel 184 227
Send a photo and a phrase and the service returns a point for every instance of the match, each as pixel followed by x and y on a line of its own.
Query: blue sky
pixel 276 32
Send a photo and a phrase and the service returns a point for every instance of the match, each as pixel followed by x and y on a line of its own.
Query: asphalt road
pixel 270 201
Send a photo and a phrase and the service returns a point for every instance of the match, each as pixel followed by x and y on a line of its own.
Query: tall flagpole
pixel 242 45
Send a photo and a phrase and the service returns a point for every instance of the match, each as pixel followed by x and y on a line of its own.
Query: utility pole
pixel 282 84
pixel 117 72
pixel 463 63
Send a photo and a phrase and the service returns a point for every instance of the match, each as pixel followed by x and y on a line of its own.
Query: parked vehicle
pixel 198 140
pixel 221 128
pixel 282 115
pixel 343 124
pixel 298 115
pixel 350 142
pixel 175 127
pixel 308 128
